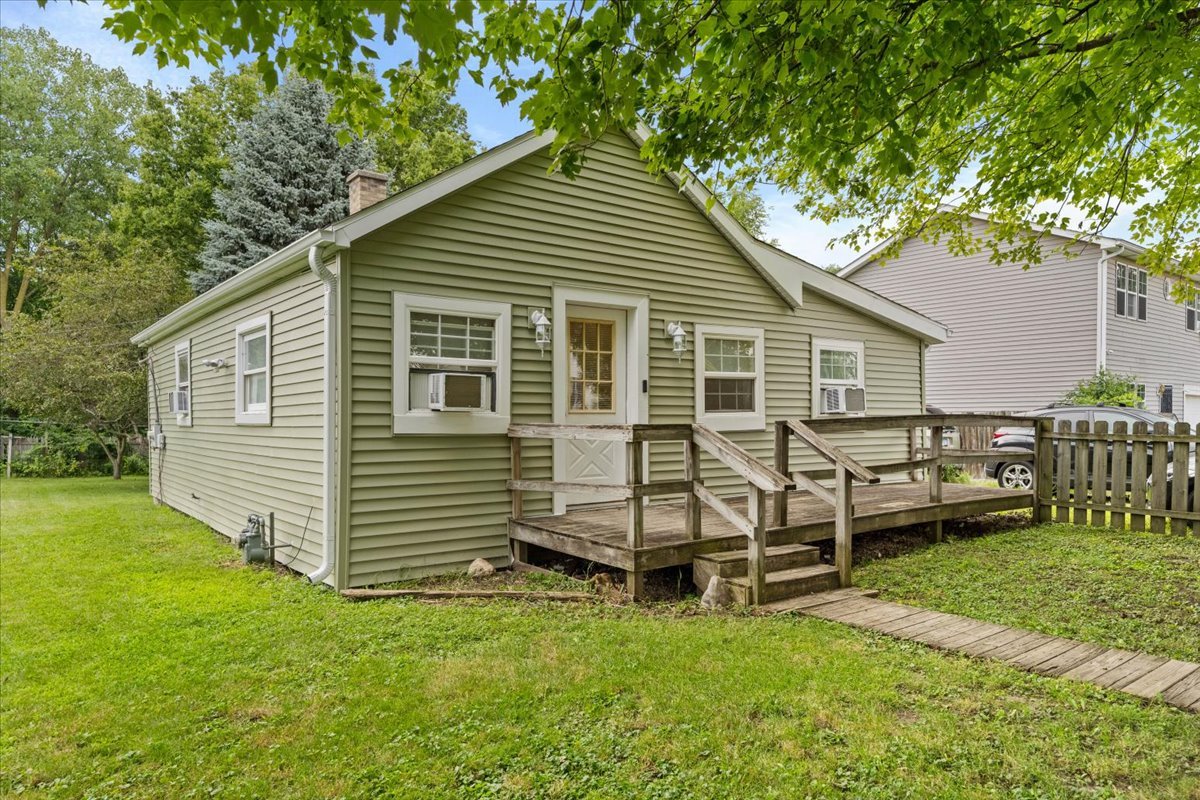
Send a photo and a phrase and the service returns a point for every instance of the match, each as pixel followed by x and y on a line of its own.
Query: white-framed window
pixel 1140 390
pixel 838 365
pixel 730 385
pixel 1191 313
pixel 1131 292
pixel 252 394
pixel 436 340
pixel 181 400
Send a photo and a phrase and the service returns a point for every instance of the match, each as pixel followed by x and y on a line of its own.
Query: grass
pixel 1118 588
pixel 141 660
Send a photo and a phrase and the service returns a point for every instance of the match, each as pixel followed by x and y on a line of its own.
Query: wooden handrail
pixel 846 424
pixel 601 433
pixel 831 452
pixel 740 460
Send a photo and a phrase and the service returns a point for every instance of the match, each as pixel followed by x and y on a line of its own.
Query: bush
pixel 953 473
pixel 47 463
pixel 135 464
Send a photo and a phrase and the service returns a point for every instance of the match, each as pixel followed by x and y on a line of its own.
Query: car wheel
pixel 1018 475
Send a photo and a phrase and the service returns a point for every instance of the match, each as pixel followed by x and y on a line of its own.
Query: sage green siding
pixel 218 471
pixel 421 504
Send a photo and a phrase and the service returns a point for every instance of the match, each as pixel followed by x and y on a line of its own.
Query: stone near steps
pixel 717 595
pixel 480 568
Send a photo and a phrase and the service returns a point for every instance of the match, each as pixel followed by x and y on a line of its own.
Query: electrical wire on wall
pixel 303 537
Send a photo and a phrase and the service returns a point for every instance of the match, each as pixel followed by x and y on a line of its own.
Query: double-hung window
pixel 1131 292
pixel 1191 313
pixel 181 398
pixel 730 391
pixel 253 390
pixel 451 365
pixel 838 377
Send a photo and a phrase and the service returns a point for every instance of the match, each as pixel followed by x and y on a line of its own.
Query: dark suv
pixel 1018 474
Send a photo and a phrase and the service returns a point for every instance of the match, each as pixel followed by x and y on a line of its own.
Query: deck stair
pixel 792 571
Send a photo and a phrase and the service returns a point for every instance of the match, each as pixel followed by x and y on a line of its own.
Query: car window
pixel 1070 415
pixel 1115 416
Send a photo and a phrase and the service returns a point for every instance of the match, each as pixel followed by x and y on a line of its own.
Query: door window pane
pixel 590 358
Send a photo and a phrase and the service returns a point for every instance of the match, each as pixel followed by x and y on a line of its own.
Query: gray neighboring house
pixel 1020 339
pixel 360 382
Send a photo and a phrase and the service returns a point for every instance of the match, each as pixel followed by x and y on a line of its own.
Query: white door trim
pixel 637 357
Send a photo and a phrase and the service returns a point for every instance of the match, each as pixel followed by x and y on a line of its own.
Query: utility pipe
pixel 328 524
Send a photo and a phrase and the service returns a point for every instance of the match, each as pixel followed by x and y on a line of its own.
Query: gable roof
pixel 1104 242
pixel 786 274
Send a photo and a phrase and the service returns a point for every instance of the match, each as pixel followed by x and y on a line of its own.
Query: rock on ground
pixel 481 568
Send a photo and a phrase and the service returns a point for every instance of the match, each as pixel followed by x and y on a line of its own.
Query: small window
pixel 435 335
pixel 1140 390
pixel 730 391
pixel 590 358
pixel 253 390
pixel 1131 292
pixel 838 366
pixel 181 399
pixel 1191 313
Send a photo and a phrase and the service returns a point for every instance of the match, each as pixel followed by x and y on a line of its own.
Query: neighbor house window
pixel 253 391
pixel 1140 391
pixel 839 382
pixel 1191 313
pixel 451 365
pixel 1131 292
pixel 181 399
pixel 730 390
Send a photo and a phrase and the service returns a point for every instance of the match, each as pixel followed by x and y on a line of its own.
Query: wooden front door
pixel 595 375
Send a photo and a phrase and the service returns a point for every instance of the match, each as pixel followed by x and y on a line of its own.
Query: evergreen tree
pixel 287 176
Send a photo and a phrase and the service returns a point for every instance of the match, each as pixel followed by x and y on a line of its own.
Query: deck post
pixel 935 476
pixel 843 525
pixel 634 477
pixel 691 473
pixel 1043 470
pixel 518 499
pixel 783 438
pixel 757 553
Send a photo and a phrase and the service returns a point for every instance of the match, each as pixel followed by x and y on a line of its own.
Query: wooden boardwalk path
pixel 1138 674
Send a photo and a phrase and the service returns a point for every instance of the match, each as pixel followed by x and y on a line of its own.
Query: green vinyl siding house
pixel 360 382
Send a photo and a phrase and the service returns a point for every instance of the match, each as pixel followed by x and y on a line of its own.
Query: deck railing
pixel 760 479
pixel 925 453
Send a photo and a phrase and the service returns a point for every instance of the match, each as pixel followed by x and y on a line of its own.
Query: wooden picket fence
pixel 1077 480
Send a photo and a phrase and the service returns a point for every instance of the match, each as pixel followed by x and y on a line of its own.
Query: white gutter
pixel 1106 253
pixel 328 525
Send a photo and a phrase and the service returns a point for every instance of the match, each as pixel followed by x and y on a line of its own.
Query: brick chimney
pixel 366 188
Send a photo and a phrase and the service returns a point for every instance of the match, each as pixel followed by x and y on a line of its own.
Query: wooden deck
pixel 1175 682
pixel 600 534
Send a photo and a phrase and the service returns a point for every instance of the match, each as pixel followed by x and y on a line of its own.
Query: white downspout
pixel 329 542
pixel 1106 253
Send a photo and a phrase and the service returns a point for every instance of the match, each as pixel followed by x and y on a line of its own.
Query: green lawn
pixel 141 660
pixel 1118 588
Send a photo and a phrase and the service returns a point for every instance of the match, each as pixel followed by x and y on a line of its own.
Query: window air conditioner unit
pixel 458 391
pixel 178 402
pixel 843 400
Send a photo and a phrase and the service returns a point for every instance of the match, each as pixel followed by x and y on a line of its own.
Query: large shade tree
pixel 877 109
pixel 65 148
pixel 75 364
pixel 183 140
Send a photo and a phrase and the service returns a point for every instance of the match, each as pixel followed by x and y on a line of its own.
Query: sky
pixel 80 26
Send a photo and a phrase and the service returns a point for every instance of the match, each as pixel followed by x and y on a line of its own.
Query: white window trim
pixel 1194 306
pixel 836 344
pixel 755 420
pixel 425 421
pixel 1137 272
pixel 184 420
pixel 242 416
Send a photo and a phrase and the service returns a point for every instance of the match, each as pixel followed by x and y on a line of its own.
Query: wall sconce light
pixel 214 362
pixel 678 338
pixel 541 328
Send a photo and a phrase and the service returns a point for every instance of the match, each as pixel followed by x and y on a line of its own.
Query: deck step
pixel 786 583
pixel 733 564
